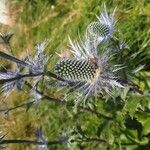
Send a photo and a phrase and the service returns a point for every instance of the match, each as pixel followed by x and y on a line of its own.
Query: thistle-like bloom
pixel 103 27
pixel 38 63
pixel 90 72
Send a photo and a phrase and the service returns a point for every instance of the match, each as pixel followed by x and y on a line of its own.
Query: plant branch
pixel 11 141
pixel 2 81
pixel 50 74
pixel 7 110
pixel 98 114
pixel 13 59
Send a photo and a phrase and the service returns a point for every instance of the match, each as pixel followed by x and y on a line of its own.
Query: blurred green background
pixel 36 20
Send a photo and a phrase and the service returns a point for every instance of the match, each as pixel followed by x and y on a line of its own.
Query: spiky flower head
pixel 87 68
pixel 37 64
pixel 103 27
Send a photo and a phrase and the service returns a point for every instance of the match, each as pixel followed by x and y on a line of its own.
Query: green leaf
pixel 132 105
pixel 146 127
pixel 145 121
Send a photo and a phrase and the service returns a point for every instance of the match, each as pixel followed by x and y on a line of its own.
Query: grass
pixel 55 20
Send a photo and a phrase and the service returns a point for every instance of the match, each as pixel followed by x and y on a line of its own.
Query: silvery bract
pixel 38 62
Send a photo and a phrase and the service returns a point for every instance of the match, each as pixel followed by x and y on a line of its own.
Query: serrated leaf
pixel 145 121
pixel 120 117
pixel 141 117
pixel 132 105
pixel 146 127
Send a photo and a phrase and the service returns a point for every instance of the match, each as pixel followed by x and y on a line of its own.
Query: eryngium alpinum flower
pixel 103 27
pixel 37 64
pixel 90 72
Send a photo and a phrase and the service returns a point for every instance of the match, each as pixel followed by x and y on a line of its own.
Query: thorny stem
pixel 20 77
pixel 13 59
pixel 12 141
pixel 46 97
pixel 7 110
pixel 50 74
pixel 28 75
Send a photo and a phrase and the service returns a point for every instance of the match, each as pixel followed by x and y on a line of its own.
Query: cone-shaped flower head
pixel 103 27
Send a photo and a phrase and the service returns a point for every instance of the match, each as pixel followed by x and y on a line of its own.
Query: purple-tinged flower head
pixel 37 64
pixel 103 27
pixel 87 67
pixel 9 86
